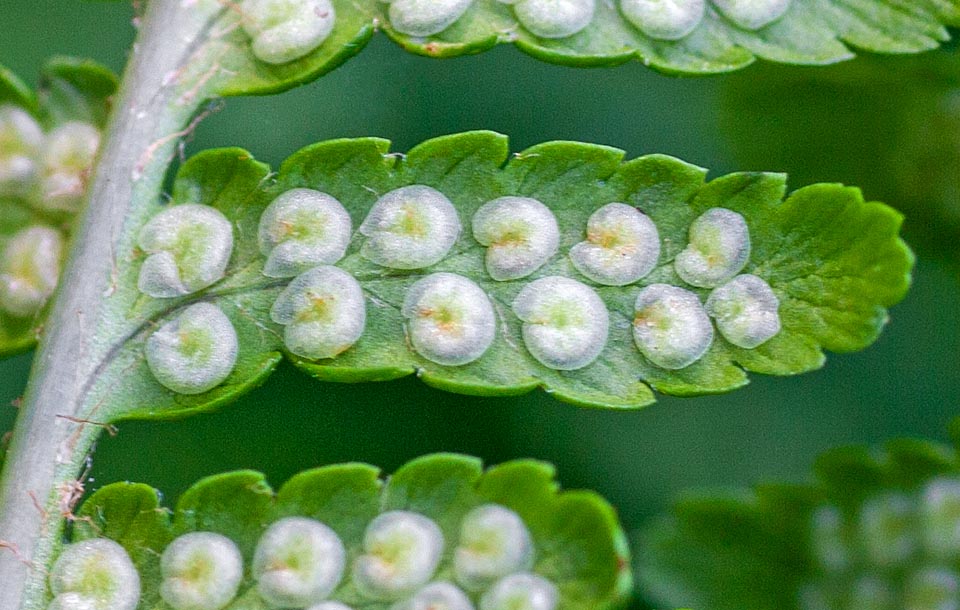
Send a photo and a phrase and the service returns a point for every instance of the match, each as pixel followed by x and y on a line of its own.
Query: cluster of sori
pixel 672 328
pixel 187 249
pixel 302 563
pixel 449 319
pixel 46 172
pixel 658 19
pixel 897 551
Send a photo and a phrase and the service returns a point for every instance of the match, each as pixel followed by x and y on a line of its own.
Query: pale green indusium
pixel 188 248
pixel 95 574
pixel 876 530
pixel 286 30
pixel 21 140
pixel 450 319
pixel 520 233
pixel 425 17
pixel 323 312
pixel 29 270
pixel 49 140
pixel 301 229
pixel 410 228
pixel 340 538
pixel 298 562
pixel 201 571
pixel 49 171
pixel 194 352
pixel 401 552
pixel 69 153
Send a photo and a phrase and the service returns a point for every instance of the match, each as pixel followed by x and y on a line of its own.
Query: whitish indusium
pixel 301 229
pixel 450 319
pixel 200 571
pixel 47 171
pixel 746 311
pixel 425 17
pixel 940 516
pixel 622 246
pixel 69 152
pixel 752 14
pixel 95 574
pixel 298 562
pixel 525 591
pixel 29 270
pixel 436 596
pixel 553 18
pixel 664 19
pixel 520 233
pixel 401 552
pixel 670 326
pixel 556 19
pixel 717 250
pixel 410 228
pixel 285 30
pixel 188 248
pixel 565 323
pixel 194 352
pixel 323 312
pixel 494 542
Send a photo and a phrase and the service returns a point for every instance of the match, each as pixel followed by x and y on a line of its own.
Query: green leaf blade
pixel 814 32
pixel 578 540
pixel 769 547
pixel 71 90
pixel 811 32
pixel 835 262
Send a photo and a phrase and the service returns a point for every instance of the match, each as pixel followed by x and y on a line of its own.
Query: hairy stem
pixel 54 433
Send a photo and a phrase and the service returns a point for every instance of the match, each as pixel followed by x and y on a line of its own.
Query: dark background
pixel 907 384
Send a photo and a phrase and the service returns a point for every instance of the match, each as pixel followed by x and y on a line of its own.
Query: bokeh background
pixel 862 122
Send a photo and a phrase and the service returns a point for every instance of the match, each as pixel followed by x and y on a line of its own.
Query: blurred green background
pixel 907 384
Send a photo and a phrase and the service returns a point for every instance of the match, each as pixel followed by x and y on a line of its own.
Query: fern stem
pixel 54 432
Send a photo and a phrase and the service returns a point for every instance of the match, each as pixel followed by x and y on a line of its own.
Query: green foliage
pixel 817 33
pixel 893 131
pixel 834 261
pixel 70 90
pixel 225 65
pixel 809 33
pixel 76 90
pixel 577 539
pixel 868 532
